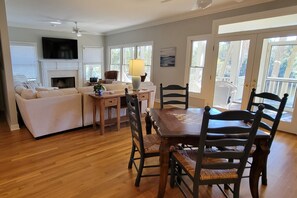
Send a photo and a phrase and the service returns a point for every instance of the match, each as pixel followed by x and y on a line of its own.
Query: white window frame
pixel 206 74
pixel 88 63
pixel 32 44
pixel 135 45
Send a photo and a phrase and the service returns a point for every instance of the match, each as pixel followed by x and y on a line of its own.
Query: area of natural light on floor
pixel 273 22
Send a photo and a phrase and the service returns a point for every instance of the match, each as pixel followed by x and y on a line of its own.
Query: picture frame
pixel 167 57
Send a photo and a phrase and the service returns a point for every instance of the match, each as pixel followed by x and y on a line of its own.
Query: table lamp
pixel 136 69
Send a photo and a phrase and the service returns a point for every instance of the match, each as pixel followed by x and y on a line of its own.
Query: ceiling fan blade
pixel 164 1
pixel 203 4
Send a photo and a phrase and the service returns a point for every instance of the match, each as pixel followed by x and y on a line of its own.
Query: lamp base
pixel 136 83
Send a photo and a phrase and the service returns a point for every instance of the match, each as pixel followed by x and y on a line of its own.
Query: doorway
pixel 265 61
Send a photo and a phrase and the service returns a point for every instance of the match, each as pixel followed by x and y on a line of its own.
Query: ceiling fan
pixel 76 30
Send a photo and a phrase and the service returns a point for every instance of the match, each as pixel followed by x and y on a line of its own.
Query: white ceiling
pixel 106 16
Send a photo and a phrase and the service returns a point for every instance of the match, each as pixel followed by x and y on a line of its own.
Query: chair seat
pixel 188 159
pixel 151 143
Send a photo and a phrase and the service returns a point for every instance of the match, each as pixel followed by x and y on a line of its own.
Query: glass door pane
pixel 231 73
pixel 278 74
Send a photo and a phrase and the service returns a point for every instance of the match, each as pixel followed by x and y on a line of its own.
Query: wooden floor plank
pixel 82 163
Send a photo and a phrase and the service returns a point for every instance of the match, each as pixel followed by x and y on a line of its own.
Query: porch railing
pixel 280 86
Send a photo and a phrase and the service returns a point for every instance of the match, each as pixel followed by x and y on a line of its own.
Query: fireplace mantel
pixel 61 68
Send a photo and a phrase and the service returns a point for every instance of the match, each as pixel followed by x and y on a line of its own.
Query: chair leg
pixel 141 164
pixel 195 191
pixel 236 190
pixel 264 175
pixel 131 157
pixel 226 185
pixel 178 179
pixel 172 173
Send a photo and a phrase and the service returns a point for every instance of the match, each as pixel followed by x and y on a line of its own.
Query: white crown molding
pixel 18 25
pixel 189 15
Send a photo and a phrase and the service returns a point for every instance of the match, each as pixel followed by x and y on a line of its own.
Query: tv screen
pixel 58 48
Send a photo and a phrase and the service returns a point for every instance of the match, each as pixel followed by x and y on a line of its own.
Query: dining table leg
pixel 259 162
pixel 148 123
pixel 164 166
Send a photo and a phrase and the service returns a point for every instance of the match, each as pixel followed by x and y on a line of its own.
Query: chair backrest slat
pixel 229 130
pixel 174 95
pixel 229 142
pixel 275 107
pixel 224 154
pixel 267 106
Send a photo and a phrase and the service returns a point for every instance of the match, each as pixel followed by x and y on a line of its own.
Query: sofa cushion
pixel 85 89
pixel 68 91
pixel 53 93
pixel 45 88
pixel 28 94
pixel 118 86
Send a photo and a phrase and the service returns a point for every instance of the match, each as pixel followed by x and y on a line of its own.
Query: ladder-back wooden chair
pixel 274 107
pixel 207 165
pixel 146 145
pixel 174 95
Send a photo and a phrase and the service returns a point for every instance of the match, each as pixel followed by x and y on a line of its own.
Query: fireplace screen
pixel 63 82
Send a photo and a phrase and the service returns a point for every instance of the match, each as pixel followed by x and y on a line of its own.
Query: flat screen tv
pixel 59 48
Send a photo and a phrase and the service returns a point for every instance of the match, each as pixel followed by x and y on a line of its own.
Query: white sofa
pixel 49 110
pixel 50 113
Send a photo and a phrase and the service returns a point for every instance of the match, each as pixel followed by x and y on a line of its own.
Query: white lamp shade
pixel 136 67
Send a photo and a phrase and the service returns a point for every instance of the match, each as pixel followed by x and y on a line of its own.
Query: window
pixel 128 54
pixel 145 52
pixel 199 51
pixel 115 59
pixel 120 57
pixel 93 62
pixel 24 60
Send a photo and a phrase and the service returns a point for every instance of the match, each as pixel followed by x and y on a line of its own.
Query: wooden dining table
pixel 176 126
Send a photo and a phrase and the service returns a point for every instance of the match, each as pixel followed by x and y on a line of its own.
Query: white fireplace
pixel 60 69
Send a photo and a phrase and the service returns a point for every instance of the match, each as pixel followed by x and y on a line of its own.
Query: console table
pixel 113 100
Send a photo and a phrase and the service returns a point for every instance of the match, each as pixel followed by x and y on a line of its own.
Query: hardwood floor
pixel 82 163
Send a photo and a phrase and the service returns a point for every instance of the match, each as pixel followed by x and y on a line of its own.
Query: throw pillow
pixel 18 89
pixel 28 94
pixel 31 84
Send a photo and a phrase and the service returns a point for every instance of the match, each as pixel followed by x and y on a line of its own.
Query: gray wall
pixel 175 35
pixel 33 35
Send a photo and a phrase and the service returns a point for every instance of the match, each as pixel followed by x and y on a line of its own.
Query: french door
pixel 275 71
pixel 265 61
pixel 232 74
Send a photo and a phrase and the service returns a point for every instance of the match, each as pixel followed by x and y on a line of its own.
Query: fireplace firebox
pixel 63 82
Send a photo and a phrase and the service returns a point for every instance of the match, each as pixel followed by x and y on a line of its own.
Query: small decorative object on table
pixel 99 89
